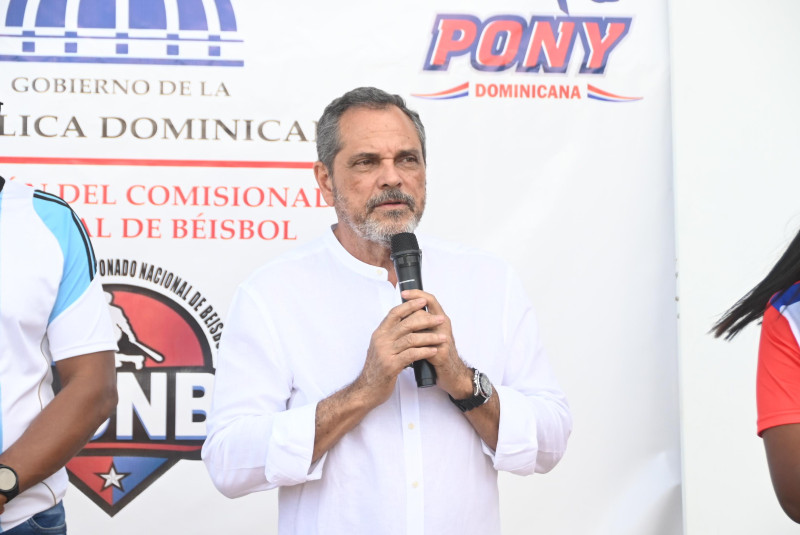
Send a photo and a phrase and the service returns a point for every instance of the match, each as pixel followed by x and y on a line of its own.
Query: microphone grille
pixel 404 241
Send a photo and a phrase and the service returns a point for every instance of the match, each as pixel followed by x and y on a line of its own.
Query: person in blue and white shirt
pixel 52 311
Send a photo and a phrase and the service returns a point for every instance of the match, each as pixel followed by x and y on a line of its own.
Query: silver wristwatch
pixel 481 392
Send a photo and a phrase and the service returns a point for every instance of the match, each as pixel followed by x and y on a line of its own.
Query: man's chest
pixel 326 341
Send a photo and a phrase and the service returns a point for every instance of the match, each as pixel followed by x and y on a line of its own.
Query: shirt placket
pixel 412 449
pixel 412 438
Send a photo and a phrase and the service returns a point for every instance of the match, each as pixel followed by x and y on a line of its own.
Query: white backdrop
pixel 736 139
pixel 575 192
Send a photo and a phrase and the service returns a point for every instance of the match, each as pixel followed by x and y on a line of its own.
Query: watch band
pixel 482 392
pixel 9 482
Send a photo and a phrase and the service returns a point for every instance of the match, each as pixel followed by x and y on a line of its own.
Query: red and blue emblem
pixel 164 381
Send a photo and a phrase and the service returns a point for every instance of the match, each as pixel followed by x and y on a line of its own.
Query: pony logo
pixel 164 380
pixel 528 45
pixel 155 32
pixel 533 45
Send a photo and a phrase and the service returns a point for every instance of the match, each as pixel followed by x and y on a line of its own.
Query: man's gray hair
pixel 328 140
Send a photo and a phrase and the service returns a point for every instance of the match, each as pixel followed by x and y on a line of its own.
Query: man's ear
pixel 325 181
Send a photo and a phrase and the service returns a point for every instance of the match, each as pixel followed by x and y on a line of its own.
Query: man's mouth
pixel 393 204
pixel 389 201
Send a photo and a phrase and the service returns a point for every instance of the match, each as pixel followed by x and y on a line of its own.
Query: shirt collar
pixel 351 262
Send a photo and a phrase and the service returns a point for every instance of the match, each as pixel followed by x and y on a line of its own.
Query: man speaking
pixel 314 393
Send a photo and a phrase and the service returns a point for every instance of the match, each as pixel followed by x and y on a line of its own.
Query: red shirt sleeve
pixel 778 376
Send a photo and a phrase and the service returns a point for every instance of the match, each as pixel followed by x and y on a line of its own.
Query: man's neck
pixel 369 252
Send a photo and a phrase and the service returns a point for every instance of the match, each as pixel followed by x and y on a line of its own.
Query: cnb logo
pixel 164 379
pixel 155 32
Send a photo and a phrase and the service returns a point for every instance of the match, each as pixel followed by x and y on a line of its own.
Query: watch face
pixel 486 385
pixel 8 479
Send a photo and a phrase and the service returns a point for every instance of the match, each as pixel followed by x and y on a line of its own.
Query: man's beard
pixel 380 230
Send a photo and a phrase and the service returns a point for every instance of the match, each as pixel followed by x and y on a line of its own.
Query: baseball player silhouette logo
pixel 130 349
pixel 164 381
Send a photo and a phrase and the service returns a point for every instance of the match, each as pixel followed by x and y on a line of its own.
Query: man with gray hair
pixel 313 392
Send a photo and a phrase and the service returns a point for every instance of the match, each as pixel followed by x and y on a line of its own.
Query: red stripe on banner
pixel 607 94
pixel 156 163
pixel 139 446
pixel 465 85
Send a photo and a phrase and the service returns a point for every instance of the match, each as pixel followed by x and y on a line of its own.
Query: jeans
pixel 48 522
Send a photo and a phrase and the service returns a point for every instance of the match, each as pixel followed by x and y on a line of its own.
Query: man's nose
pixel 389 176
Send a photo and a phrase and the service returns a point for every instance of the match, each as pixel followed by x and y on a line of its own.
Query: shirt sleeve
pixel 535 420
pixel 79 322
pixel 778 375
pixel 255 441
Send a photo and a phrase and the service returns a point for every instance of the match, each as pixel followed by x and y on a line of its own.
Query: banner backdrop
pixel 183 134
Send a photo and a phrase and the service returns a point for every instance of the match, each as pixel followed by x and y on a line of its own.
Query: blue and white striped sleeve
pixel 79 322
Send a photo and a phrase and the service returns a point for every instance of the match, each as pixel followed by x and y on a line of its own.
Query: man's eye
pixel 409 159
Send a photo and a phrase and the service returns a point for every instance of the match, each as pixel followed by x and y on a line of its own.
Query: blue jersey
pixel 52 307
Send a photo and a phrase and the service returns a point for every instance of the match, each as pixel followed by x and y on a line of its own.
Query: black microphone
pixel 407 264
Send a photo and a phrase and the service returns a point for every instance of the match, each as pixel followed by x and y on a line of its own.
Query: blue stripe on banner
pixel 227 18
pixel 137 61
pixel 51 14
pixel 147 15
pixel 16 13
pixel 192 15
pixel 123 35
pixel 97 14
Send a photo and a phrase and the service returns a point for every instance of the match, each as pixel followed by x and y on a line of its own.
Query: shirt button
pixel 415 484
pixel 411 426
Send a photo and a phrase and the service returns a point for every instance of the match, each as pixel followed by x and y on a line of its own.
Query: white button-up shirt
pixel 298 330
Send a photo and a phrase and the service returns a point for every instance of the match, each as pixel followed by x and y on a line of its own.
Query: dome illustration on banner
pixel 153 32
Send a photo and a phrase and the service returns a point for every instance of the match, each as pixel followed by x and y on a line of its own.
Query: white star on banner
pixel 113 478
